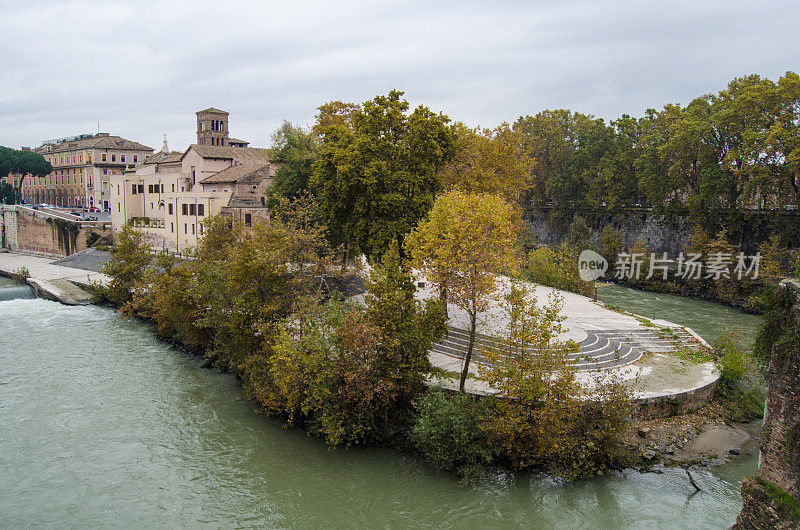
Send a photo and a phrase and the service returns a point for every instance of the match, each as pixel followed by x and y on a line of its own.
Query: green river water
pixel 102 425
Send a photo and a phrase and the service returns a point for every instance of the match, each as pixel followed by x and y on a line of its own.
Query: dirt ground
pixel 702 438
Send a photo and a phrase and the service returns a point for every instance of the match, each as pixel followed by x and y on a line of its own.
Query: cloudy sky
pixel 143 68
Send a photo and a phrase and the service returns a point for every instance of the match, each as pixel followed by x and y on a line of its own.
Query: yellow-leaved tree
pixel 466 241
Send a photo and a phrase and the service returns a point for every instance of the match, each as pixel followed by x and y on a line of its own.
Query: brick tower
pixel 212 127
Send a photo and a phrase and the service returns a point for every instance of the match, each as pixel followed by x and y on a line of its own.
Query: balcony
pixel 146 222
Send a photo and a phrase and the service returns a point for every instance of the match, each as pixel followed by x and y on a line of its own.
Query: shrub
pixel 21 275
pixel 557 267
pixel 731 358
pixel 91 238
pixel 447 432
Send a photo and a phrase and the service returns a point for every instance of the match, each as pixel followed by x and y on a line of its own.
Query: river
pixel 103 425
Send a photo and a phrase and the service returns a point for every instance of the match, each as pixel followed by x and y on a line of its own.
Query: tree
pixel 127 266
pixel 24 162
pixel 377 171
pixel 545 417
pixel 352 371
pixel 8 194
pixel 295 149
pixel 489 161
pixel 466 241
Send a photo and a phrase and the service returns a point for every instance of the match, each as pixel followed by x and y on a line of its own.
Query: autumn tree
pixel 547 418
pixel 352 371
pixel 466 241
pixel 378 169
pixel 489 161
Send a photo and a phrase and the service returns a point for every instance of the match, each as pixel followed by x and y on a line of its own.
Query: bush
pixel 91 238
pixel 21 275
pixel 731 359
pixel 447 432
pixel 557 267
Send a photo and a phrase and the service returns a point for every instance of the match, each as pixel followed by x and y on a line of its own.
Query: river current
pixel 102 425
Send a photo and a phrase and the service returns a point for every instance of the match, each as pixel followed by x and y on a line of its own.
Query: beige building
pixel 170 194
pixel 82 168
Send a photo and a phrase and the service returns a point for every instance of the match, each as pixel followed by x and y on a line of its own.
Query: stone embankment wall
pixel 26 230
pixel 772 498
pixel 660 235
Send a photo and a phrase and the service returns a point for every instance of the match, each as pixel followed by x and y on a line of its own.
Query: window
pixel 162 188
pixel 141 188
pixel 151 205
pixel 192 228
pixel 103 157
pixel 185 228
pixel 192 208
pixel 133 189
pixel 113 158
pixel 248 219
pixel 122 158
pixel 201 229
pixel 201 209
pixel 105 171
pixel 171 225
pixel 119 207
pixel 170 208
pixel 173 188
pixel 149 188
pixel 185 209
pixel 118 189
pixel 135 158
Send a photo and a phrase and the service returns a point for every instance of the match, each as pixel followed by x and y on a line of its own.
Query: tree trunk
pixel 443 299
pixel 473 317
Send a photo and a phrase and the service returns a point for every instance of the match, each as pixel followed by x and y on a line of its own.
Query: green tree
pixel 466 241
pixel 127 266
pixel 8 194
pixel 377 170
pixel 295 149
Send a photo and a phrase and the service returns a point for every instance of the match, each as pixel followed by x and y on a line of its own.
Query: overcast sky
pixel 142 69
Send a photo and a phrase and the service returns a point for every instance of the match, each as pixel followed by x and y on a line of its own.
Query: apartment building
pixel 82 168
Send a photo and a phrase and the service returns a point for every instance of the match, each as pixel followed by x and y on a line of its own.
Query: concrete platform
pixel 56 282
pixel 631 348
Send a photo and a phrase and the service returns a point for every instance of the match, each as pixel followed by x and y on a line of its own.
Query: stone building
pixel 82 168
pixel 170 194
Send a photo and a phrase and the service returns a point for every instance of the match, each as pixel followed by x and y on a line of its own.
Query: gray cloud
pixel 143 68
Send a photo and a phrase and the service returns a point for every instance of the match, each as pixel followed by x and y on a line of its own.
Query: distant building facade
pixel 169 195
pixel 82 168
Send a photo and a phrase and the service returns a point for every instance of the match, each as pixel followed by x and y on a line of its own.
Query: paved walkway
pixel 631 348
pixel 51 280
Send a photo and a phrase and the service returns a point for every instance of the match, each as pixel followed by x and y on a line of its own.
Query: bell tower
pixel 212 127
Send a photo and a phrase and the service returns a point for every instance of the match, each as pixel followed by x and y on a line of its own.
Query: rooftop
pixel 236 173
pixel 100 141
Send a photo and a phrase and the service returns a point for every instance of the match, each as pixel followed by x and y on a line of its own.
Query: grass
pixel 694 355
pixel 787 504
